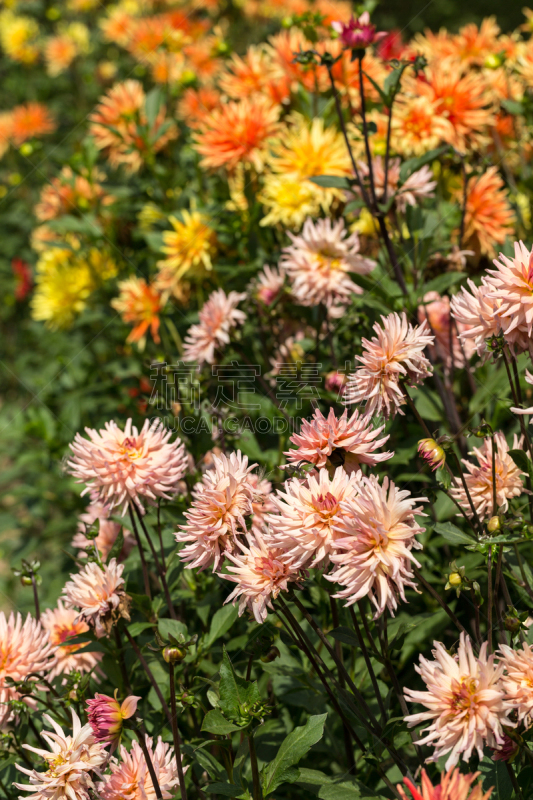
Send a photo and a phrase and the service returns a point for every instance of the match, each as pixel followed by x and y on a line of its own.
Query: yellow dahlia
pixel 188 249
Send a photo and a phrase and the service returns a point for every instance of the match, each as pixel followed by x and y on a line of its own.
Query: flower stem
pixel 257 794
pixel 160 570
pixel 442 603
pixel 489 601
pixel 368 663
pixel 149 674
pixel 175 732
pixel 146 577
pixel 153 777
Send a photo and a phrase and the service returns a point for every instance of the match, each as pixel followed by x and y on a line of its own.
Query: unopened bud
pixel 455 579
pixel 173 654
pixel 432 452
pixel 26 580
pixel 272 654
pixel 493 524
pixel 512 623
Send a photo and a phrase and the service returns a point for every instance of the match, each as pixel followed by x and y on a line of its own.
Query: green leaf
pixel 313 777
pixel 340 791
pixel 117 546
pixel 521 460
pixel 292 749
pixel 225 789
pixel 443 476
pixel 235 692
pixel 414 164
pixel 142 603
pixel 222 621
pixel 215 722
pixel 330 181
pixel 443 282
pixel 171 627
pixel 344 635
pixel 152 105
pixel 452 534
pixel 512 106
pixel 495 775
pixel 138 627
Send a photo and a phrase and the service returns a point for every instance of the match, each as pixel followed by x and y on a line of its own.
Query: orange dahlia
pixel 237 132
pixel 472 45
pixel 489 217
pixel 282 48
pixel 196 104
pixel 255 73
pixel 30 120
pixel 417 128
pixel 139 305
pixel 68 192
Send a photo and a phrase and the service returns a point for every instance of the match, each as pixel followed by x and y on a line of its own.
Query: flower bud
pixel 26 580
pixel 107 715
pixel 493 524
pixel 173 654
pixel 432 452
pixel 512 622
pixel 272 654
pixel 455 579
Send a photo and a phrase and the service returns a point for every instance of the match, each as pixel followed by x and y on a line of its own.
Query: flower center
pixel 130 448
pixel 326 504
pixel 271 568
pixel 463 695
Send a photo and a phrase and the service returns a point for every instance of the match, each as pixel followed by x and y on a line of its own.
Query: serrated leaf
pixel 330 181
pixel 452 534
pixel 340 791
pixel 443 476
pixel 443 282
pixel 235 692
pixel 292 749
pixel 216 722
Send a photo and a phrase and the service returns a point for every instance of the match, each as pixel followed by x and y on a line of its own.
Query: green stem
pixel 175 732
pixel 257 794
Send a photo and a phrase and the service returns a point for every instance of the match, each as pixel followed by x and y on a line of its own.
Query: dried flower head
pixel 99 595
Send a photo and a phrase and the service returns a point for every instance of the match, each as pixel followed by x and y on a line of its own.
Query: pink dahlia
pixel 358 33
pixel 417 187
pixel 395 353
pixel 261 571
pixel 262 503
pixel 310 513
pixel 448 348
pixel 318 263
pixel 512 288
pixel 452 786
pixel 123 467
pixel 25 648
pixel 333 441
pixel 99 595
pixel 374 542
pixel 518 680
pixel 63 624
pixel 221 501
pixel 269 284
pixel 130 779
pixel 478 478
pixel 72 760
pixel 100 513
pixel 477 312
pixel 106 716
pixel 465 702
pixel 217 318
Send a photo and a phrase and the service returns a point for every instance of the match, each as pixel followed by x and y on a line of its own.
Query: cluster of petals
pixel 63 624
pixel 130 777
pixel 98 513
pixel 318 263
pixel 517 680
pixel 309 514
pixel 449 348
pixel 393 354
pixel 221 501
pixel 452 786
pixel 71 761
pixel 262 503
pixel 479 481
pixel 106 716
pixel 261 569
pixel 139 304
pixel 324 439
pixel 465 702
pixel 477 313
pixel 217 317
pixel 270 283
pixel 98 593
pixel 358 33
pixel 128 466
pixel 489 217
pixel 418 186
pixel 25 648
pixel 373 549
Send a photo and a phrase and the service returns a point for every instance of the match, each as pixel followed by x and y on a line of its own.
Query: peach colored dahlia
pixel 478 478
pixel 63 624
pixel 512 288
pixel 261 569
pixel 318 263
pixel 465 702
pixel 518 680
pixel 98 512
pixel 375 537
pixel 395 352
pixel 417 187
pixel 269 284
pixel 217 317
pixel 309 514
pixel 489 217
pixel 352 439
pixel 477 313
pixel 452 786
pixel 449 349
pixel 221 501
pixel 130 779
pixel 262 503
pixel 128 466
pixel 71 760
pixel 99 595
pixel 24 648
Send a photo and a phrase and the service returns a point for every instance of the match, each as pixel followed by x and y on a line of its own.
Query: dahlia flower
pixel 358 33
pixel 108 530
pixel 465 702
pixel 261 569
pixel 71 760
pixel 221 501
pixel 262 503
pixel 68 191
pixel 288 200
pixel 417 128
pixel 25 648
pixel 139 304
pixel 318 263
pixel 511 287
pixel 188 250
pixel 255 74
pixel 395 352
pixel 106 716
pixel 436 310
pixel 477 313
pixel 335 382
pixel 123 467
pixel 478 478
pixel 418 186
pixel 269 284
pixel 63 624
pixel 217 317
pixel 452 786
pixel 374 540
pixel 309 515
pixel 99 595
pixel 322 440
pixel 518 680
pixel 237 132
pixel 130 777
pixel 30 121
pixel 489 218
